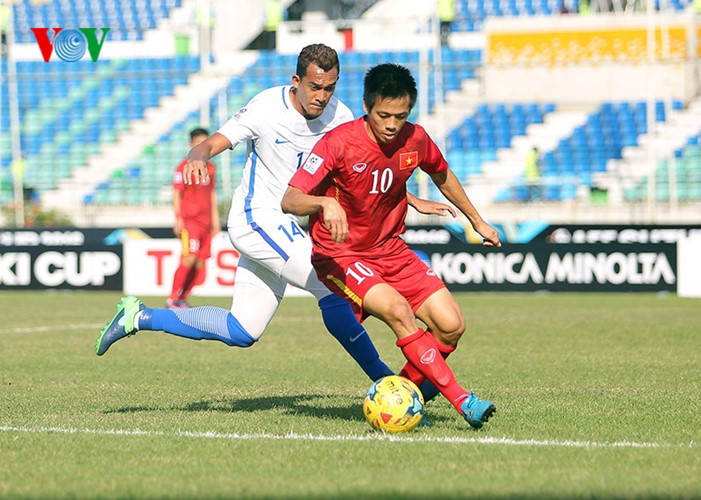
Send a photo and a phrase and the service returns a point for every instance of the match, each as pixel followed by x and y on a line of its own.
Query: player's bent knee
pixel 238 336
pixel 450 331
pixel 398 310
pixel 450 338
pixel 387 304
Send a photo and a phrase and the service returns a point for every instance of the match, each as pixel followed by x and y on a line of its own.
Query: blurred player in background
pixel 446 15
pixel 532 174
pixel 274 14
pixel 280 126
pixel 196 221
pixel 353 186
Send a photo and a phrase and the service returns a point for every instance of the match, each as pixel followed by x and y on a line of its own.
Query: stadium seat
pixel 125 19
pixel 71 110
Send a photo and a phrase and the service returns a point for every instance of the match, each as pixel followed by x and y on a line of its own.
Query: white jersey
pixel 278 139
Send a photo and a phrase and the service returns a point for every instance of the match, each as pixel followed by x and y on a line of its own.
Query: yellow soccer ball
pixel 393 404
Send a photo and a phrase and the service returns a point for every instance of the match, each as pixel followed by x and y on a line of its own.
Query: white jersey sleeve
pixel 247 123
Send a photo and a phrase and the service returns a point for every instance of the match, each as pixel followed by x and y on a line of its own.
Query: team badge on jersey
pixel 408 160
pixel 313 163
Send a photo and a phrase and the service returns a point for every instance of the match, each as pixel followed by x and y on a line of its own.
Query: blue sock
pixel 341 322
pixel 197 323
pixel 428 390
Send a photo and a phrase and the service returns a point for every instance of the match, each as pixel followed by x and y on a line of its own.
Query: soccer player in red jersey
pixel 196 220
pixel 353 187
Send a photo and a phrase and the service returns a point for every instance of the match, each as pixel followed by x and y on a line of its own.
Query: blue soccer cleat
pixel 477 411
pixel 122 325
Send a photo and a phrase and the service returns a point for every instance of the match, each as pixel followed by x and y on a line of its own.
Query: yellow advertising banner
pixel 591 45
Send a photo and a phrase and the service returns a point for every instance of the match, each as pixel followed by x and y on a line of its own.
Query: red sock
pixel 200 276
pixel 410 372
pixel 189 283
pixel 179 281
pixel 422 351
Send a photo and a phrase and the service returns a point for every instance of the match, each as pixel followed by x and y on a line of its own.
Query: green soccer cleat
pixel 477 411
pixel 122 325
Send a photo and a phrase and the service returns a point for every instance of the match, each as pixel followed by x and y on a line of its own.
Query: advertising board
pixel 535 256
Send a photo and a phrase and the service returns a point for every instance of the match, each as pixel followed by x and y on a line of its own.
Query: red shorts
pixel 196 240
pixel 351 277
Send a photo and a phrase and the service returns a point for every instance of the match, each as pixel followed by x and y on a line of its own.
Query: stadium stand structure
pixel 124 184
pixel 471 14
pixel 682 174
pixel 109 134
pixel 577 158
pixel 71 111
pixel 55 147
pixel 102 177
pixel 677 164
pixel 127 20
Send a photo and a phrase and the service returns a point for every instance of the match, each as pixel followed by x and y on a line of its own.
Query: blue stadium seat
pixel 126 20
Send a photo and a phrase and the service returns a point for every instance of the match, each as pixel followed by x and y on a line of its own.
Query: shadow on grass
pixel 305 405
pixel 309 405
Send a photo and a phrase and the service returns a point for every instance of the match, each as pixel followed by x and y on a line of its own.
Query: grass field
pixel 597 395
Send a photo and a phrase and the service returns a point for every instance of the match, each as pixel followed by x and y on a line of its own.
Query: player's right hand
pixel 195 172
pixel 335 220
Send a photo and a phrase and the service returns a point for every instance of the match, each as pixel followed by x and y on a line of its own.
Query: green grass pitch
pixel 597 396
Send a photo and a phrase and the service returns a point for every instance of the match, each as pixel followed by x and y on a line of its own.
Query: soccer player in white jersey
pixel 280 126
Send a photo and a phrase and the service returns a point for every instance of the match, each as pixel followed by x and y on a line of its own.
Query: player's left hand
pixel 490 235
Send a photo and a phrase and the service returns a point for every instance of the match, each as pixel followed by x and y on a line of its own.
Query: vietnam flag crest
pixel 408 160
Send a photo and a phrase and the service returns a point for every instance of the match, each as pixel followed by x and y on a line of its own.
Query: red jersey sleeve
pixel 433 162
pixel 320 163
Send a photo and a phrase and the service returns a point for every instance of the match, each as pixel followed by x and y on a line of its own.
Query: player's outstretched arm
pixel 332 214
pixel 195 171
pixel 429 207
pixel 450 186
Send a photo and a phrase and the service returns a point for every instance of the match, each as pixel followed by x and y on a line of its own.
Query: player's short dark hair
pixel 195 132
pixel 322 55
pixel 388 80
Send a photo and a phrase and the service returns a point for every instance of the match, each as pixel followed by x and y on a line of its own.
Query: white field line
pixel 292 436
pixel 40 329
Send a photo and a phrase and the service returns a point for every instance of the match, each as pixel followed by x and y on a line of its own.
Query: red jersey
pixel 368 180
pixel 196 202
